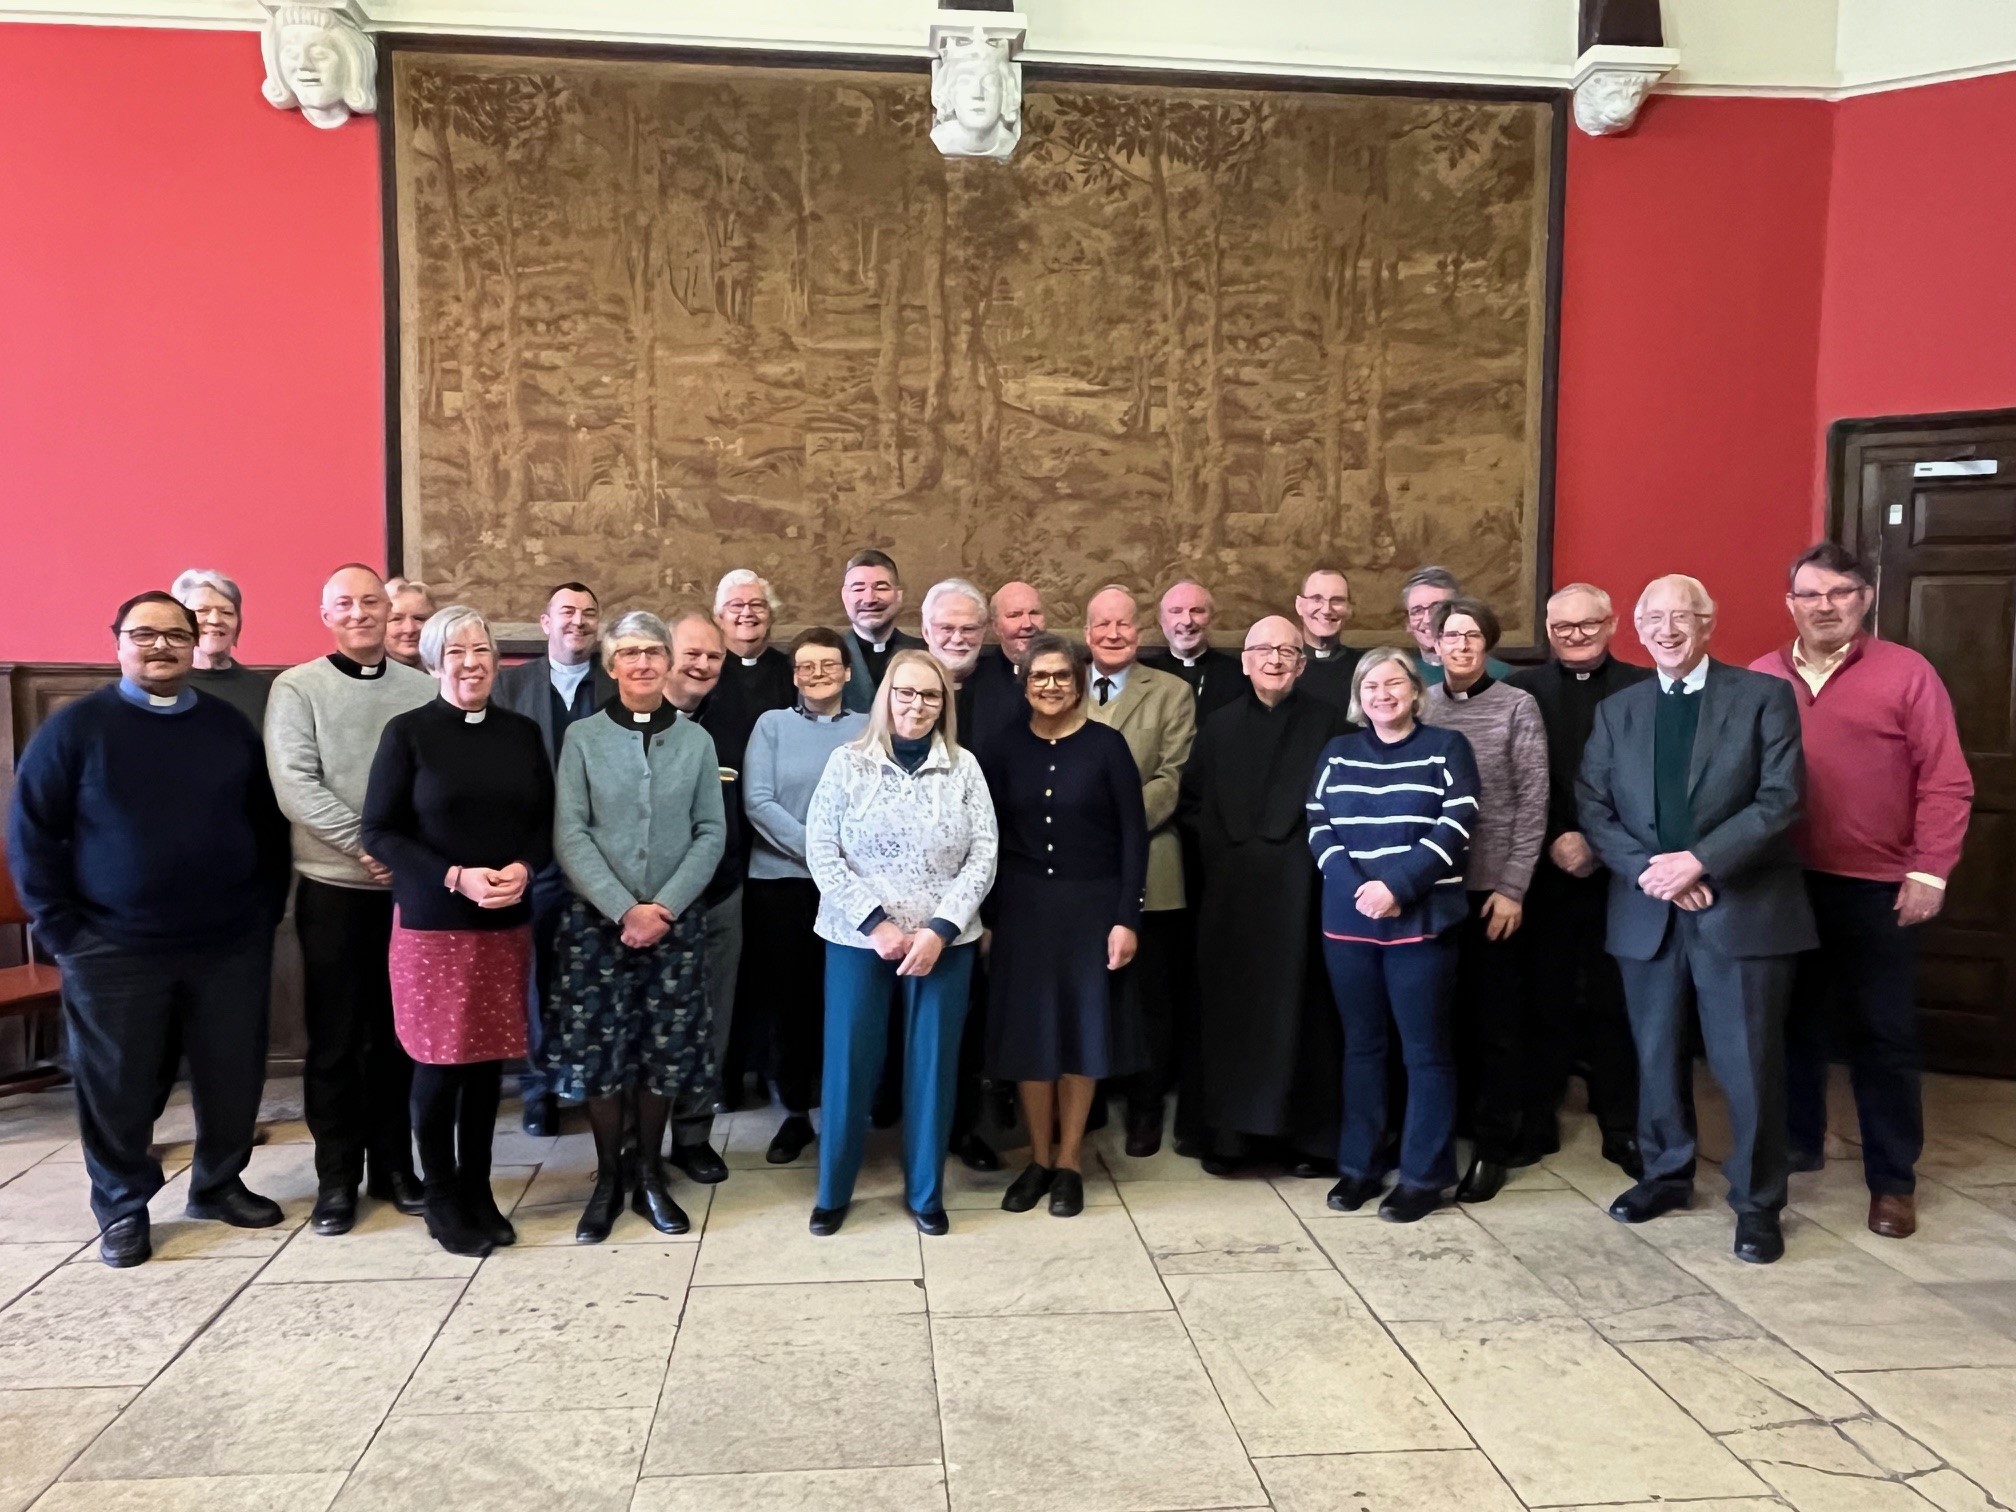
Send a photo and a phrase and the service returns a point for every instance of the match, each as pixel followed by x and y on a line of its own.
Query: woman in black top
pixel 1066 916
pixel 460 806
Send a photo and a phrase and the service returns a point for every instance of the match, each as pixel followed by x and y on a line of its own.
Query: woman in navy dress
pixel 1066 916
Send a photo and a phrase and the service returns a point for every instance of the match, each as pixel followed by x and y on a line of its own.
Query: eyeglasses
pixel 1051 679
pixel 829 667
pixel 1679 619
pixel 630 656
pixel 1420 614
pixel 1316 600
pixel 930 698
pixel 147 638
pixel 1460 637
pixel 1276 653
pixel 1835 598
pixel 1567 629
pixel 746 606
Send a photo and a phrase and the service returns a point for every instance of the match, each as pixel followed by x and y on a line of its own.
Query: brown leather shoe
pixel 1893 1217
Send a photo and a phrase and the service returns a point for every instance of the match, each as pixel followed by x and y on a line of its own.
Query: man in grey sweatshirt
pixel 323 721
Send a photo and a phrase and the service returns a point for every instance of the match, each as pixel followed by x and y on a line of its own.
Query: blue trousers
pixel 862 989
pixel 1411 987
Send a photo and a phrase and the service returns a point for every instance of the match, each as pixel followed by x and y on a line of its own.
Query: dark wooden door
pixel 1932 503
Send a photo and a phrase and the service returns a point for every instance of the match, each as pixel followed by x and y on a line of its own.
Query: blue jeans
pixel 862 989
pixel 1412 987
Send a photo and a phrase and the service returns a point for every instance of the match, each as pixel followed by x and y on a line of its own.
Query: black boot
pixel 653 1202
pixel 448 1221
pixel 604 1203
pixel 480 1203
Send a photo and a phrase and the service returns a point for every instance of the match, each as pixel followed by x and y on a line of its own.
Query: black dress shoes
pixel 700 1163
pixel 400 1188
pixel 1310 1168
pixel 1621 1150
pixel 1026 1190
pixel 1759 1240
pixel 1648 1200
pixel 604 1203
pixel 479 1202
pixel 1484 1180
pixel 126 1242
pixel 450 1223
pixel 933 1222
pixel 1405 1204
pixel 1536 1147
pixel 1219 1165
pixel 976 1154
pixel 1353 1192
pixel 826 1221
pixel 235 1204
pixel 790 1140
pixel 335 1210
pixel 1067 1195
pixel 539 1121
pixel 1807 1160
pixel 652 1201
pixel 1143 1138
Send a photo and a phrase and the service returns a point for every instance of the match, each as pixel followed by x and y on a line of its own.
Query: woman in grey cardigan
pixel 638 829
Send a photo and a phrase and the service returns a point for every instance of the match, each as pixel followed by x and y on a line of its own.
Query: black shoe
pixel 1219 1165
pixel 604 1203
pixel 1405 1204
pixel 1808 1160
pixel 1067 1194
pixel 730 1102
pixel 235 1204
pixel 1621 1150
pixel 1026 1190
pixel 540 1120
pixel 1759 1240
pixel 790 1140
pixel 335 1210
pixel 700 1163
pixel 934 1222
pixel 826 1221
pixel 1353 1192
pixel 1189 1149
pixel 448 1222
pixel 1536 1147
pixel 1095 1116
pixel 126 1242
pixel 1484 1180
pixel 652 1201
pixel 400 1188
pixel 1309 1168
pixel 1144 1138
pixel 976 1154
pixel 479 1202
pixel 1648 1200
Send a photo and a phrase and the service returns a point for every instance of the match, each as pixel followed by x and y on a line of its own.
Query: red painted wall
pixel 1690 332
pixel 1919 313
pixel 191 350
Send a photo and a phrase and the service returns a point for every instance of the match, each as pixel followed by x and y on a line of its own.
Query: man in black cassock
pixel 1268 1029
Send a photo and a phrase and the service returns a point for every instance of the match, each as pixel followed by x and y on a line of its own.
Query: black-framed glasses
pixel 1586 629
pixel 1835 598
pixel 146 637
pixel 1051 679
pixel 930 698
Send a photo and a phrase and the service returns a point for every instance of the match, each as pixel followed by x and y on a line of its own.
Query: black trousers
pixel 121 1010
pixel 1856 996
pixel 783 1005
pixel 1165 978
pixel 1494 1005
pixel 358 1078
pixel 1742 1003
pixel 550 895
pixel 1578 1017
pixel 455 1120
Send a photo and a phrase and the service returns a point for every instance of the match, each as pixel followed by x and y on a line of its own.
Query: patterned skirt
pixel 459 995
pixel 618 1018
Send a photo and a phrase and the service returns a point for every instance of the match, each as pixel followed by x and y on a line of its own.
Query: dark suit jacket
pixel 528 689
pixel 1745 781
pixel 1568 710
pixel 991 702
pixel 860 686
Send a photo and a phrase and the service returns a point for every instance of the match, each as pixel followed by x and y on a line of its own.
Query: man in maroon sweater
pixel 1887 798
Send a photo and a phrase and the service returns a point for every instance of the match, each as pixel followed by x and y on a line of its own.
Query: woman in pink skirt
pixel 460 806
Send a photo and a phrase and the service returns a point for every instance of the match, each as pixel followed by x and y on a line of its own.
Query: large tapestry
pixel 660 319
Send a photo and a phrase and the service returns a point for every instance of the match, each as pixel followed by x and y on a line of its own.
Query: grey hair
pixel 205 577
pixel 736 579
pixel 948 586
pixel 1377 657
pixel 435 633
pixel 1697 594
pixel 1602 599
pixel 1427 577
pixel 634 624
pixel 394 586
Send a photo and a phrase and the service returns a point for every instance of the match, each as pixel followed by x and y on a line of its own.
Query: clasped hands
pixel 494 887
pixel 915 953
pixel 1676 877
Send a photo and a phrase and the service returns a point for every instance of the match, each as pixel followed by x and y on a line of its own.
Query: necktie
pixel 1105 690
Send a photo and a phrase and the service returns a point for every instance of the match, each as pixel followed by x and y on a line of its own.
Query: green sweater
pixel 635 825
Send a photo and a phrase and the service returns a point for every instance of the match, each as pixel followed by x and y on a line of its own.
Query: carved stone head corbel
pixel 976 82
pixel 320 59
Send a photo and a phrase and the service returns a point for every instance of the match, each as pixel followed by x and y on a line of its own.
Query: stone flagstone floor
pixel 1187 1343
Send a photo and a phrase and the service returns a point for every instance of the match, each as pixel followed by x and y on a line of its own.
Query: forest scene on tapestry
pixel 659 320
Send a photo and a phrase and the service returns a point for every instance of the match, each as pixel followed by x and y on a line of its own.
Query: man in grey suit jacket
pixel 1689 788
pixel 567 684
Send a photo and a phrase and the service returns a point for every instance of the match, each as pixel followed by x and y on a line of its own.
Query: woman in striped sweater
pixel 1389 824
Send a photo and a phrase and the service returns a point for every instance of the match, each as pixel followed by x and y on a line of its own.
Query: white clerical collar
pixel 473 716
pixel 640 716
pixel 375 669
pixel 1188 661
pixel 1693 682
pixel 750 661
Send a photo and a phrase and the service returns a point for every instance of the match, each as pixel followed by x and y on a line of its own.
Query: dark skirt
pixel 618 1018
pixel 458 995
pixel 1053 1009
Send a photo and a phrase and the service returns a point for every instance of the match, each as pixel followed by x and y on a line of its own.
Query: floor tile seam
pixel 392 1405
pixel 687 1475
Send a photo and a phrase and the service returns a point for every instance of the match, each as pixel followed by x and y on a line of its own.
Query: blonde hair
pixel 1377 657
pixel 876 738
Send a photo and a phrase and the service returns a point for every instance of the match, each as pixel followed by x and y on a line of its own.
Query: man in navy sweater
pixel 147 846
